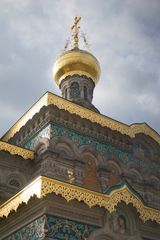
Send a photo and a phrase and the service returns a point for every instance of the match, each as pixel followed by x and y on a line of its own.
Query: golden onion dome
pixel 76 61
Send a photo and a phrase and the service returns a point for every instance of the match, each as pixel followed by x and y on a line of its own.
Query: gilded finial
pixel 75 29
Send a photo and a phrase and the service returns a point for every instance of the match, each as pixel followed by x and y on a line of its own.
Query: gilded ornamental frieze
pixel 15 150
pixel 51 99
pixel 43 186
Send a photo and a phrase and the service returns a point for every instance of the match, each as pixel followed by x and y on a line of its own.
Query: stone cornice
pixel 15 150
pixel 43 186
pixel 72 108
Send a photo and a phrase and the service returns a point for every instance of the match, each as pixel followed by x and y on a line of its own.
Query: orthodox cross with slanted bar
pixel 75 29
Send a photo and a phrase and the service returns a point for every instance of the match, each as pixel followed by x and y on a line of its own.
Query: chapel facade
pixel 68 172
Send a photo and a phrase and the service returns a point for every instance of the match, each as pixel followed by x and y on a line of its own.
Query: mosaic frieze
pixel 55 130
pixel 52 227
pixel 34 231
pixel 58 228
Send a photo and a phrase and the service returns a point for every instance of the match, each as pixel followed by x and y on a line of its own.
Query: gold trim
pixel 43 186
pixel 15 150
pixel 50 98
pixel 21 197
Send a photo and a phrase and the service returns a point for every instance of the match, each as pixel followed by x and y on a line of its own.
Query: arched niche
pixel 41 146
pixel 118 225
pixel 15 181
pixel 155 182
pixel 135 175
pixel 64 147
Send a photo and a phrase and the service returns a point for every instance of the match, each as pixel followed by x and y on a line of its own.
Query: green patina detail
pixel 34 231
pixel 52 227
pixel 59 228
pixel 79 139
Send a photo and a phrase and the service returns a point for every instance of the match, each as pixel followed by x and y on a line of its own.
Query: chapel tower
pixel 69 173
pixel 76 72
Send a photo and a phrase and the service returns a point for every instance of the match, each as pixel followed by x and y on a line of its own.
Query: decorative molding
pixel 23 196
pixel 56 130
pixel 51 99
pixel 43 186
pixel 15 150
pixel 104 121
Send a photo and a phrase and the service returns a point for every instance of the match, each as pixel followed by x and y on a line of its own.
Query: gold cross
pixel 75 29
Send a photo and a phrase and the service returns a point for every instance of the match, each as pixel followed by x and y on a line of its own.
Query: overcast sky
pixel 124 36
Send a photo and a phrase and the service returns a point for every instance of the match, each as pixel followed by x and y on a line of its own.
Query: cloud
pixel 124 36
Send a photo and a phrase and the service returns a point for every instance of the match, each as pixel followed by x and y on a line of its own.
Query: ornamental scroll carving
pixel 43 186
